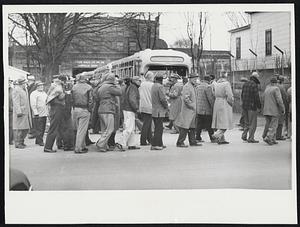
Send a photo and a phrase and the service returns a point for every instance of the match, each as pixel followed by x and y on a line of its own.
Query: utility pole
pixel 282 69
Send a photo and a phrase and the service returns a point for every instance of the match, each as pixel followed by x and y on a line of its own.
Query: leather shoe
pixel 80 152
pixel 69 149
pixel 252 141
pixel 31 136
pixel 223 142
pixel 156 148
pixel 182 145
pixel 85 149
pixel 41 144
pixel 133 148
pixel 195 144
pixel 244 139
pixel 268 141
pixel 145 144
pixel 21 146
pixel 280 138
pixel 49 150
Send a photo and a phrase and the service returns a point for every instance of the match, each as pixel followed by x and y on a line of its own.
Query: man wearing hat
pixel 174 99
pixel 21 113
pixel 146 108
pixel 82 103
pixel 131 103
pixel 39 111
pixel 205 103
pixel 282 118
pixel 10 91
pixel 186 120
pixel 56 99
pixel 251 105
pixel 273 109
pixel 105 96
pixel 31 86
pixel 159 110
pixel 241 122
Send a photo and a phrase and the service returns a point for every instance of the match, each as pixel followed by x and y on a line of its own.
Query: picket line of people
pixel 192 106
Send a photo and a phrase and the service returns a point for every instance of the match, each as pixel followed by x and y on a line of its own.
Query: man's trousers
pixel 81 117
pixel 270 128
pixel 19 136
pixel 56 115
pixel 129 126
pixel 182 136
pixel 40 125
pixel 107 128
pixel 158 132
pixel 146 133
pixel 250 124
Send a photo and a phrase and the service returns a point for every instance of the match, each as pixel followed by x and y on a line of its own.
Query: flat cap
pixel 273 79
pixel 39 83
pixel 243 79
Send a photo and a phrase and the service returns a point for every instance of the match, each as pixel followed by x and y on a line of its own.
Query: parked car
pixel 18 181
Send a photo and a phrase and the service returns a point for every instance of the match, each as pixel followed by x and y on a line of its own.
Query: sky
pixel 173 27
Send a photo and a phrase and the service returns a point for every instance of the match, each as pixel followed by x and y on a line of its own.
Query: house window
pixel 132 46
pixel 120 46
pixel 268 39
pixel 238 48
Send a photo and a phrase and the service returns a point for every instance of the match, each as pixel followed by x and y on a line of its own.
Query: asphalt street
pixel 211 166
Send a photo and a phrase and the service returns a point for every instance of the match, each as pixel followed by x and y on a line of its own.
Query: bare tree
pixel 52 33
pixel 182 43
pixel 145 26
pixel 196 27
pixel 238 19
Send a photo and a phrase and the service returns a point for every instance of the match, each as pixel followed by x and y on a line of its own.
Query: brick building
pixel 89 51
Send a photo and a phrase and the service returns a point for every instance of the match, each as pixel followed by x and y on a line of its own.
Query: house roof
pixel 240 28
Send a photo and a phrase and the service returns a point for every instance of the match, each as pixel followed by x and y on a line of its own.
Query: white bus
pixel 163 62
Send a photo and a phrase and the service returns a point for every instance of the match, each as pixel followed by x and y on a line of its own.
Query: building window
pixel 268 39
pixel 238 48
pixel 120 46
pixel 132 46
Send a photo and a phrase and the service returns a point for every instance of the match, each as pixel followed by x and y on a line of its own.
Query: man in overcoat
pixel 21 113
pixel 11 131
pixel 174 99
pixel 205 103
pixel 130 109
pixel 31 86
pixel 159 110
pixel 273 109
pixel 105 96
pixel 282 118
pixel 82 102
pixel 186 120
pixel 146 109
pixel 251 105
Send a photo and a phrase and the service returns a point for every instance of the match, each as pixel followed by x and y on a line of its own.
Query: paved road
pixel 237 165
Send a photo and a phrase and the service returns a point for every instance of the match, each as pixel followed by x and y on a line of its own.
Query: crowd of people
pixel 109 103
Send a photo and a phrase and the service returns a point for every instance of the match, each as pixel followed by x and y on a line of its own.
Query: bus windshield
pixel 166 71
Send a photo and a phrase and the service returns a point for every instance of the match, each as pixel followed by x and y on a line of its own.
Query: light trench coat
pixel 187 117
pixel 222 112
pixel 21 106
